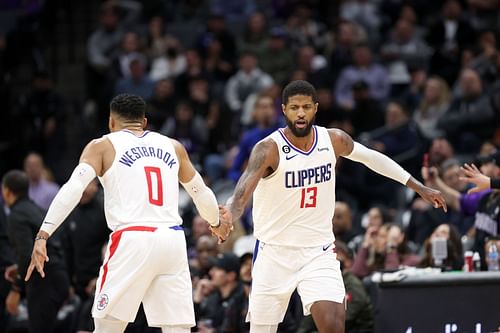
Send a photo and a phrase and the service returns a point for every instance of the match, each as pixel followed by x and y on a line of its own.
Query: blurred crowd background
pixel 418 80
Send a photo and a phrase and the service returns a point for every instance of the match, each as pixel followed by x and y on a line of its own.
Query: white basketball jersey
pixel 294 205
pixel 142 184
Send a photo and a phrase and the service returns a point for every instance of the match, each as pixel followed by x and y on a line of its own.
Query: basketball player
pixel 146 259
pixel 292 172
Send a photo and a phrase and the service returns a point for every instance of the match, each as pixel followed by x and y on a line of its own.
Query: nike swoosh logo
pixel 48 222
pixel 290 157
pixel 326 247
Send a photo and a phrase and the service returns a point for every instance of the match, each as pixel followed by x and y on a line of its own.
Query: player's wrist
pixel 42 235
pixel 215 226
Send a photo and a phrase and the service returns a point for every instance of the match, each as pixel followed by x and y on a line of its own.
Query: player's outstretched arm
pixel 65 201
pixel 264 157
pixel 203 197
pixel 382 164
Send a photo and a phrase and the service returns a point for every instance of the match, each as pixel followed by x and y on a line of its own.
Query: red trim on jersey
pixel 115 240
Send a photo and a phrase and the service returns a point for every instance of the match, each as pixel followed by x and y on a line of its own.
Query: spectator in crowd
pixel 233 12
pixel 264 123
pixel 199 228
pixel 440 150
pixel 162 104
pixel 255 36
pixel 156 41
pixel 217 68
pixel 398 136
pixel 313 64
pixel 83 238
pixel 41 190
pixel 434 104
pixel 217 29
pixel 170 64
pixel 423 219
pixel 404 50
pixel 45 295
pixel 470 117
pixel 277 58
pixel 194 69
pixel 359 314
pixel 130 49
pixel 7 260
pixel 328 113
pixel 102 49
pixel 481 182
pixel 188 128
pixel 206 247
pixel 342 222
pixel 384 248
pixel 303 30
pixel 45 112
pixel 103 43
pixel 364 69
pixel 366 113
pixel 248 80
pixel 347 35
pixel 364 13
pixel 485 63
pixel 208 108
pixel 138 83
pixel 449 36
pixel 454 260
pixel 223 305
pixel 375 218
pixel 482 205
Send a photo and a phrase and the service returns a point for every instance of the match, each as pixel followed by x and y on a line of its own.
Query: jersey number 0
pixel 155 188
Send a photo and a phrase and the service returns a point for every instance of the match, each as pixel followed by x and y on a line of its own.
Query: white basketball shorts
pixel 146 264
pixel 278 270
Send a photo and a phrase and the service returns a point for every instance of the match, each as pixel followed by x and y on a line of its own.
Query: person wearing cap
pixel 223 307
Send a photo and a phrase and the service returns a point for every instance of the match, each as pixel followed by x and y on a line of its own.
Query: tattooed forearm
pixel 249 179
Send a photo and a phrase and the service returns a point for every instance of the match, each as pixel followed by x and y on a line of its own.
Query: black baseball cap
pixel 227 261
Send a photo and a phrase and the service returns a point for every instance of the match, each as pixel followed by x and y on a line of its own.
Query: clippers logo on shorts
pixel 102 302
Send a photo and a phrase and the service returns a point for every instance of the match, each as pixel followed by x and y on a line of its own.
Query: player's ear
pixel 111 123
pixel 144 123
pixel 283 107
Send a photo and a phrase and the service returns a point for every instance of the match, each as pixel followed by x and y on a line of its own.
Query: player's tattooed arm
pixel 264 156
pixel 341 141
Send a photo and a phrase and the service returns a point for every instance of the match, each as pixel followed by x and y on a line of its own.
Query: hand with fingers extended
pixel 38 257
pixel 225 226
pixel 434 197
pixel 473 175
